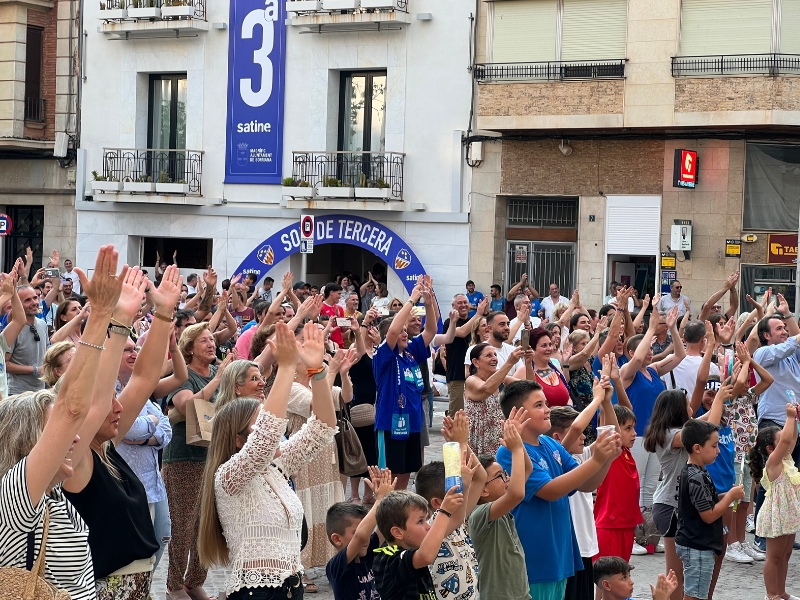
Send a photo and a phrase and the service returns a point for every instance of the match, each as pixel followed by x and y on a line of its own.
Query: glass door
pixel 167 127
pixel 362 126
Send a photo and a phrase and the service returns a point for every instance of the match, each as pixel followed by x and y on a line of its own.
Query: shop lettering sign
pixel 781 249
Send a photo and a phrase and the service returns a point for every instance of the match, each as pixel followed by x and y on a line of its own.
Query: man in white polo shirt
pixel 554 298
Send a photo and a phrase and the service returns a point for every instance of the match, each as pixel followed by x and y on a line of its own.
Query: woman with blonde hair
pixel 242 379
pixel 104 489
pixel 480 332
pixel 183 464
pixel 40 432
pixel 56 360
pixel 251 519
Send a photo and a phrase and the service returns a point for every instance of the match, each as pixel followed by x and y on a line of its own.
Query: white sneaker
pixel 752 551
pixel 638 550
pixel 750 526
pixel 735 553
pixel 660 546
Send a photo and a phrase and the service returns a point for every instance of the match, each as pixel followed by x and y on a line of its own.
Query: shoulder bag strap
pixel 38 567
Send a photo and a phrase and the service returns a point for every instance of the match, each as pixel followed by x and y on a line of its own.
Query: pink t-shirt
pixel 243 344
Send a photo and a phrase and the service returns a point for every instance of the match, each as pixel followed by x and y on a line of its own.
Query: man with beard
pixel 500 331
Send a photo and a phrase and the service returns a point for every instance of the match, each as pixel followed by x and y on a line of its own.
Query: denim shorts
pixel 698 568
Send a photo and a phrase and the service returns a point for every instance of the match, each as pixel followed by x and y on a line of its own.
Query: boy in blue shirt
pixel 544 522
pixel 351 530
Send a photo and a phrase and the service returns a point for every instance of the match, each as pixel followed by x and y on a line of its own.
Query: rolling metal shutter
pixel 726 27
pixel 524 31
pixel 633 225
pixel 594 29
pixel 790 27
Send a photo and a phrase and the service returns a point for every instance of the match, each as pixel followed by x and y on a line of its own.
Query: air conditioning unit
pixel 60 147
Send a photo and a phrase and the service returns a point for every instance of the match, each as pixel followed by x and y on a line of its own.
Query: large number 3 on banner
pixel 260 57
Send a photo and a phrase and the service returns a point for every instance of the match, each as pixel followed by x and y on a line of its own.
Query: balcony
pixel 736 64
pixel 328 16
pixel 137 19
pixel 346 180
pixel 550 71
pixel 34 110
pixel 149 176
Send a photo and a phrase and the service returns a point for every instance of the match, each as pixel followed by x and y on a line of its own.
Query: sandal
pixel 368 500
pixel 309 586
pixel 198 593
pixel 354 500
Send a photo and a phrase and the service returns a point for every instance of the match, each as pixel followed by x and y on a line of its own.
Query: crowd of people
pixel 224 426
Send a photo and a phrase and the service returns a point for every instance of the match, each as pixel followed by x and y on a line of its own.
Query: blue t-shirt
pixel 353 580
pixel 545 528
pixel 474 298
pixel 499 304
pixel 643 393
pixel 252 323
pixel 389 366
pixel 722 470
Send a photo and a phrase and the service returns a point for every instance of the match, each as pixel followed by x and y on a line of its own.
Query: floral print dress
pixel 780 513
pixel 485 423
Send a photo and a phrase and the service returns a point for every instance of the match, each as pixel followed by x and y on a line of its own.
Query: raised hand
pixel 284 346
pixel 483 307
pixel 166 295
pixel 210 277
pixel 173 340
pixel 232 356
pixel 654 302
pixel 453 500
pixel 733 278
pixel 524 314
pixel 130 298
pixel 742 354
pixel 783 306
pixel 672 317
pixel 646 300
pixel 9 285
pixel 518 417
pixel 665 585
pixel 460 430
pixel 380 482
pixel 336 361
pixel 55 258
pixel 791 411
pixel 350 358
pixel 511 439
pixel 288 277
pixel 105 287
pixel 726 331
pixel 515 355
pixel 312 349
pixel 454 316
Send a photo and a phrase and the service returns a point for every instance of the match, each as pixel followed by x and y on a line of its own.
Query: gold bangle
pixel 162 317
pixel 115 322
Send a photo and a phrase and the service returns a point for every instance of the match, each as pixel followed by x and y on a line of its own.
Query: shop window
pixel 553 30
pixel 193 253
pixel 771 187
pixel 543 212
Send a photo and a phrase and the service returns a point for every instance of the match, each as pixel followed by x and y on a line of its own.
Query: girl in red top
pixel 547 370
pixel 616 508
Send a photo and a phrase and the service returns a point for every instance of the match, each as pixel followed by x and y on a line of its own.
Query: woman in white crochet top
pixel 251 519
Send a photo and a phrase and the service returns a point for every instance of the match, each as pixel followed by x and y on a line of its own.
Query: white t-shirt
pixel 547 304
pixel 686 374
pixel 76 282
pixel 502 356
pixel 581 506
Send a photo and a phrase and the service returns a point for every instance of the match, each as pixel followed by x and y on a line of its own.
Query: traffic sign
pixel 5 224
pixel 306 234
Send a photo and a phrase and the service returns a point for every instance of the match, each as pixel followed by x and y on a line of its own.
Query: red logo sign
pixel 781 249
pixel 685 169
pixel 307 227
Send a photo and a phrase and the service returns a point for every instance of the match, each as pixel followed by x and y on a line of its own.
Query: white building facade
pixel 186 110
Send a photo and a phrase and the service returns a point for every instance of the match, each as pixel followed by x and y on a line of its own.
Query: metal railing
pixel 397 5
pixel 34 109
pixel 543 212
pixel 551 71
pixel 158 166
pixel 732 64
pixel 198 5
pixel 376 170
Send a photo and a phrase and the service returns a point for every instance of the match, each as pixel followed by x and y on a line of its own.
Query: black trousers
pixel 293 585
pixel 580 586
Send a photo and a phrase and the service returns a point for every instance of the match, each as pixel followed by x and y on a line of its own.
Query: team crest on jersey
pixel 557 456
pixel 266 255
pixel 403 259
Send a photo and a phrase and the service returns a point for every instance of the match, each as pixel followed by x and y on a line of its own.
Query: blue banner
pixel 256 51
pixel 339 229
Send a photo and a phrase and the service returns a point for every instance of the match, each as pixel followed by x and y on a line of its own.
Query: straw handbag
pixel 29 584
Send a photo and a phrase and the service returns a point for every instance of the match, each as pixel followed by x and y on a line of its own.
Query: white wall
pixel 428 95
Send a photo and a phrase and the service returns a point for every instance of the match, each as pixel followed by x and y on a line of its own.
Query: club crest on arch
pixel 266 255
pixel 403 259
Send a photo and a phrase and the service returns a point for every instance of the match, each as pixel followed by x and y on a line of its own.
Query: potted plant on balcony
pixel 103 183
pixel 332 188
pixel 297 188
pixel 143 183
pixel 144 9
pixel 113 10
pixel 177 9
pixel 165 185
pixel 298 6
pixel 370 188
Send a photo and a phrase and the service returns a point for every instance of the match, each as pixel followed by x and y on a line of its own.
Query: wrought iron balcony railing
pixel 361 170
pixel 551 71
pixel 734 64
pixel 195 9
pixel 34 109
pixel 168 171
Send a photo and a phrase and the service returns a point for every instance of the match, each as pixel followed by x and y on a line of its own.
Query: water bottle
pixel 451 456
pixel 793 402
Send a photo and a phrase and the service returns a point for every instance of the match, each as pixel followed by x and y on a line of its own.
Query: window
pixel 543 212
pixel 167 113
pixel 362 112
pixel 193 253
pixel 558 30
pixel 771 187
pixel 34 104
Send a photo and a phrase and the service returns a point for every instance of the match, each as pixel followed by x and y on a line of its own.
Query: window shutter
pixel 726 27
pixel 790 27
pixel 633 225
pixel 524 31
pixel 33 63
pixel 594 29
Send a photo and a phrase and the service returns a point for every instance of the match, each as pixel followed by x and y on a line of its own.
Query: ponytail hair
pixel 758 453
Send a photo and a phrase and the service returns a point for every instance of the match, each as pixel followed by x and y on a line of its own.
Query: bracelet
pixel 162 317
pixel 120 330
pixel 444 512
pixel 318 374
pixel 115 322
pixel 91 345
pixel 35 371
